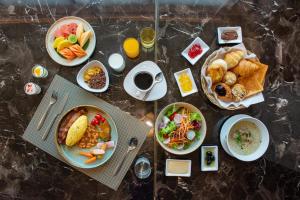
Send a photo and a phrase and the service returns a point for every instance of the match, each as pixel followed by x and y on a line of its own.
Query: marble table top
pixel 271 29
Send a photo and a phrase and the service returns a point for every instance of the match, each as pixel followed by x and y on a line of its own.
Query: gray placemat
pixel 127 127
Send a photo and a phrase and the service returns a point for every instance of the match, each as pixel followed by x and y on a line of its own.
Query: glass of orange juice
pixel 131 47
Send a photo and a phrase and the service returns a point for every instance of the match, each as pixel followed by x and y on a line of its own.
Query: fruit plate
pixel 71 154
pixel 51 36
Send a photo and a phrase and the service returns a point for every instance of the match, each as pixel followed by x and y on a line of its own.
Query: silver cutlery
pixel 158 78
pixel 132 144
pixel 59 110
pixel 53 98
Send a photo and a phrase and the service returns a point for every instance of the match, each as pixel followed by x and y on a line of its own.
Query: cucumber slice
pixel 72 38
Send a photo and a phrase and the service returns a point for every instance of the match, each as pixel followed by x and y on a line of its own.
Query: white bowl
pixel 264 133
pixel 50 39
pixel 196 144
pixel 84 85
pixel 203 45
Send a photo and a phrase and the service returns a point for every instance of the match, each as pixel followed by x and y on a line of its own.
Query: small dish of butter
pixel 178 167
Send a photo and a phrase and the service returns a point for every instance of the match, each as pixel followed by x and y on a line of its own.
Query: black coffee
pixel 143 80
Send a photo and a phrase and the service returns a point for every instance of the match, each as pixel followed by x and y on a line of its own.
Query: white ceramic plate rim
pixel 84 85
pixel 50 38
pixel 238 29
pixel 188 174
pixel 203 45
pixel 194 87
pixel 184 151
pixel 205 168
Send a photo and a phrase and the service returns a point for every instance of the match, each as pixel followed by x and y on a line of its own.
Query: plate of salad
pixel 70 41
pixel 180 128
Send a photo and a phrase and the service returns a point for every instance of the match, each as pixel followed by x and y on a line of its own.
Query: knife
pixel 58 112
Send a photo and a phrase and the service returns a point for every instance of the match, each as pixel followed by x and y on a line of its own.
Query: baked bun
pixel 223 92
pixel 216 70
pixel 229 78
pixel 239 92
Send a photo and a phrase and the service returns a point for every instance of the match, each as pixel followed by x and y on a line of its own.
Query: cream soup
pixel 244 138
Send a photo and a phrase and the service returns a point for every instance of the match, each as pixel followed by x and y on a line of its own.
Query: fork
pixel 52 101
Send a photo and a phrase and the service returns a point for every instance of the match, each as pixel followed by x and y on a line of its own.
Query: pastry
pixel 216 70
pixel 239 92
pixel 245 68
pixel 223 92
pixel 255 83
pixel 229 78
pixel 233 58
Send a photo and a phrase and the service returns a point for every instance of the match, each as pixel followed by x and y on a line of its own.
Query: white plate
pixel 216 162
pixel 194 87
pixel 157 92
pixel 188 174
pixel 50 39
pixel 224 131
pixel 83 84
pixel 203 45
pixel 238 29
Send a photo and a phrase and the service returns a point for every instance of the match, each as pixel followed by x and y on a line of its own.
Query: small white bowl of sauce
pixel 176 167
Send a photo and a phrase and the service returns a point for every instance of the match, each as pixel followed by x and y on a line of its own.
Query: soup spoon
pixel 158 78
pixel 133 142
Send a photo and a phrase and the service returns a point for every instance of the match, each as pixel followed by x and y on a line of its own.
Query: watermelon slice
pixel 65 30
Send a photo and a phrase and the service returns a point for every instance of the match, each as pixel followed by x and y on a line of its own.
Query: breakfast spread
pixel 95 77
pixel 235 77
pixel 71 40
pixel 76 129
pixel 179 127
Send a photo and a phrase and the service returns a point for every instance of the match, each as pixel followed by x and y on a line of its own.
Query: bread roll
pixel 216 70
pixel 229 78
pixel 245 68
pixel 233 58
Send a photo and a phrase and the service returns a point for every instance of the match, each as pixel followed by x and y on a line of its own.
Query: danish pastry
pixel 223 92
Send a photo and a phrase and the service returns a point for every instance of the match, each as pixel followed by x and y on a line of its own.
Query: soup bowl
pixel 264 139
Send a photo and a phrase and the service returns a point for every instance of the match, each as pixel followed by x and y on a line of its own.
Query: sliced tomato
pixel 172 116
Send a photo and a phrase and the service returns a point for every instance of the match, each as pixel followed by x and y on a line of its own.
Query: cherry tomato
pixel 99 117
pixel 103 120
pixel 95 122
pixel 172 116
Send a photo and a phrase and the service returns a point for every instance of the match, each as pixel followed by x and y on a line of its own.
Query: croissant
pixel 245 68
pixel 233 58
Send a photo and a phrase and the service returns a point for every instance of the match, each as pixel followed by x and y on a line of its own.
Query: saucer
pixel 158 91
pixel 225 127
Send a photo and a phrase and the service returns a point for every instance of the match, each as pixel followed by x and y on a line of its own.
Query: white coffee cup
pixel 264 133
pixel 142 90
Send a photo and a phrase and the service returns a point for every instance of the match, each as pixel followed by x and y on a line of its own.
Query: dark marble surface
pixel 271 29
